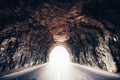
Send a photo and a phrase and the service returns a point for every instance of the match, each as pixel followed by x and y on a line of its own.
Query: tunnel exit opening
pixel 59 56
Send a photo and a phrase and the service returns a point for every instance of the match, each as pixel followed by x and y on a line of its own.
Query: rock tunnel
pixel 89 29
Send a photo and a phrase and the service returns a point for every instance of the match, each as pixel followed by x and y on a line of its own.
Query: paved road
pixel 67 72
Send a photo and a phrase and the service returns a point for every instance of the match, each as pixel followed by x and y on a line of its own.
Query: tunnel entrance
pixel 59 55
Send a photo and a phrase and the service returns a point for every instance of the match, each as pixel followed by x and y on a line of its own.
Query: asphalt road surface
pixel 68 72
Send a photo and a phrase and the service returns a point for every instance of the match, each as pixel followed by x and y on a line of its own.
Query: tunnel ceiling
pixel 89 27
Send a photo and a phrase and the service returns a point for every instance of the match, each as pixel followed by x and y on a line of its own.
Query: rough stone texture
pixel 23 46
pixel 89 27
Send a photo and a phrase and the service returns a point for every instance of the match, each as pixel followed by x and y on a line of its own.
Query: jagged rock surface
pixel 29 28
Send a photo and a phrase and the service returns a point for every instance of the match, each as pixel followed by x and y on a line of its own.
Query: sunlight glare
pixel 59 55
pixel 59 60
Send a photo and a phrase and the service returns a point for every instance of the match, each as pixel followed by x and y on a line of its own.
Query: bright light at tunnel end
pixel 59 60
pixel 59 56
